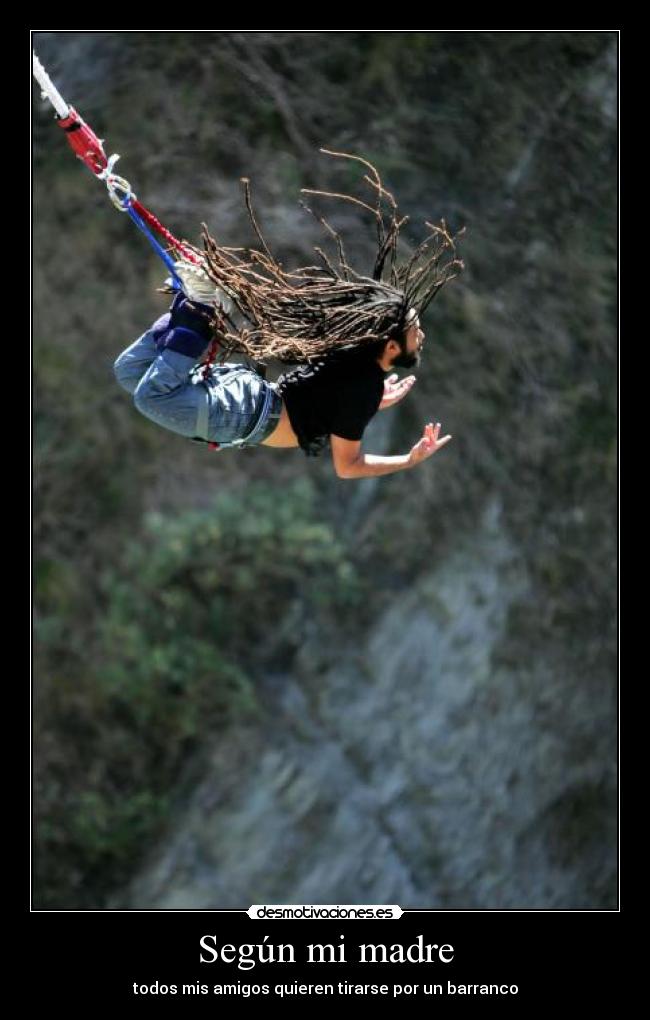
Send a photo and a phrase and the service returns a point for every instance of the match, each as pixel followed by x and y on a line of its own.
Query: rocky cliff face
pixel 414 769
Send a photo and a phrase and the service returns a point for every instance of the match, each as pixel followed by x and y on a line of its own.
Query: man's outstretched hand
pixel 428 445
pixel 395 389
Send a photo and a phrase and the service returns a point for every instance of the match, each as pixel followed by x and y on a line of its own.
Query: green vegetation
pixel 180 624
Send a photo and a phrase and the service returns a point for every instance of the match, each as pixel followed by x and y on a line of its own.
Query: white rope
pixel 119 190
pixel 48 91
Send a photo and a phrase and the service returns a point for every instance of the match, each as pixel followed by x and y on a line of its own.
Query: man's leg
pixel 166 392
pixel 132 363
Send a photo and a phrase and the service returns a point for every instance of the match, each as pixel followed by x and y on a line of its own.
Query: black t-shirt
pixel 337 394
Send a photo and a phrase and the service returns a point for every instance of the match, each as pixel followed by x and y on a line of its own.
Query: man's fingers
pixel 430 437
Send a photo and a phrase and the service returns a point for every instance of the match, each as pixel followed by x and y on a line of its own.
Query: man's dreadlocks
pixel 295 316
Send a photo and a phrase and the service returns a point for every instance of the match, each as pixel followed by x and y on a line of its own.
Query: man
pixel 345 330
pixel 331 400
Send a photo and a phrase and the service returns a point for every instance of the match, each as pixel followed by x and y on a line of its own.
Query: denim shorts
pixel 232 406
pixel 241 409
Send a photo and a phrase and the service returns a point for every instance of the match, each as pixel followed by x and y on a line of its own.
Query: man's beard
pixel 406 360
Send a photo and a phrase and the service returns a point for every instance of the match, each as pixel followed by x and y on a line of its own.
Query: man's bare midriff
pixel 283 434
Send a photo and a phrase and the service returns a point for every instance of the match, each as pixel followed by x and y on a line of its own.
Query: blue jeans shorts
pixel 233 406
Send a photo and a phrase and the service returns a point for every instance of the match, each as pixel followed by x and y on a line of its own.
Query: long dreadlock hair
pixel 296 316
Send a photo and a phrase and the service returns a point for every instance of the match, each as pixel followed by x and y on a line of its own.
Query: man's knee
pixel 123 370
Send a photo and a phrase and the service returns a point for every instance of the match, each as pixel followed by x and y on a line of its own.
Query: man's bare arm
pixel 350 462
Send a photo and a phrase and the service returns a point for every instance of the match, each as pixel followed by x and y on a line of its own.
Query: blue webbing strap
pixel 159 250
